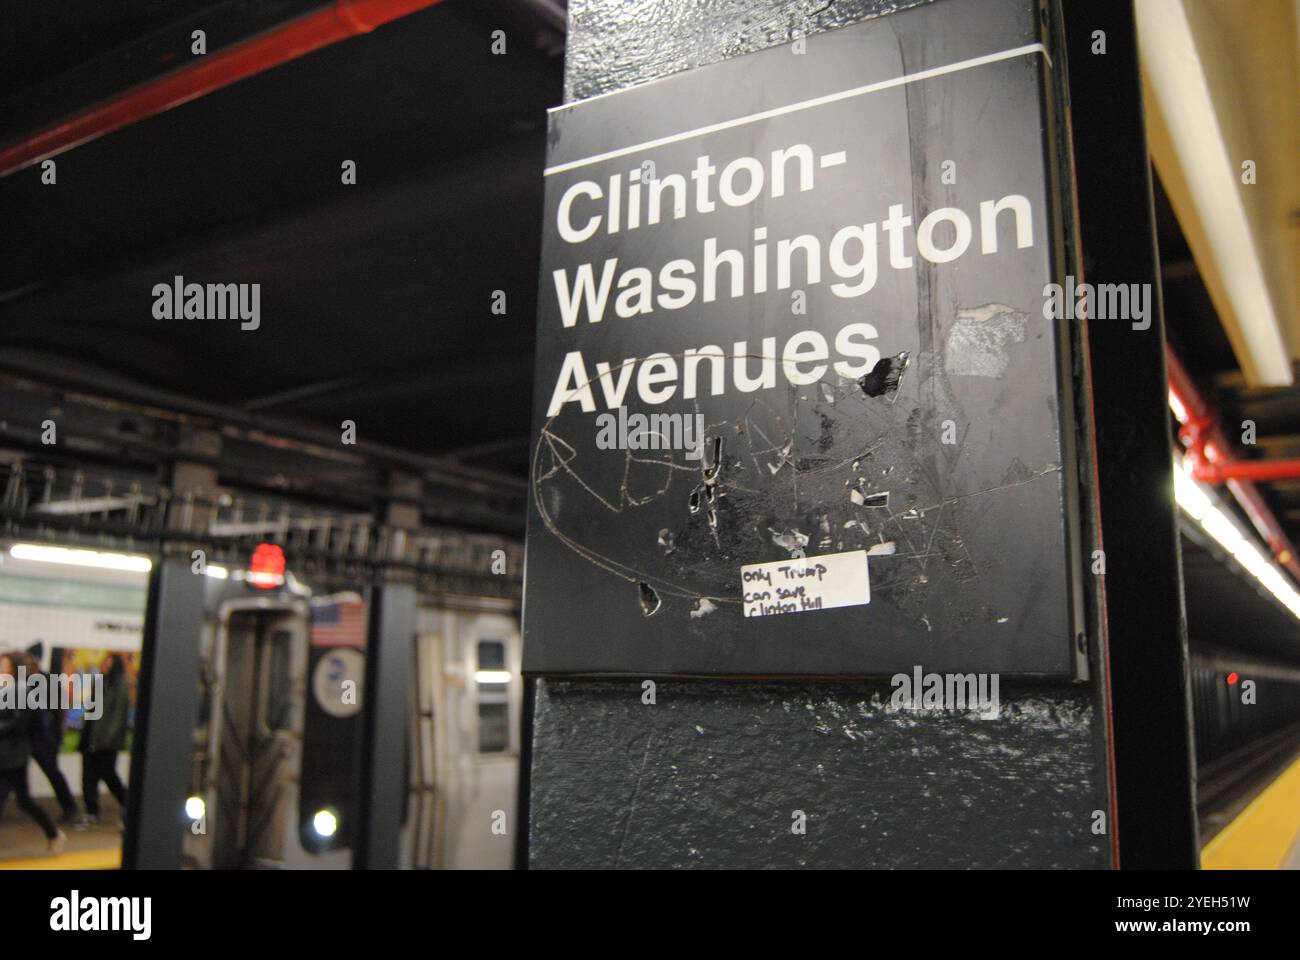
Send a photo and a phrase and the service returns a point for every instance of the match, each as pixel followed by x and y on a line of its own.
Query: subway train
pixel 275 763
pixel 276 747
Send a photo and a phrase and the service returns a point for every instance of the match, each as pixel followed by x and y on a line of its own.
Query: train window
pixel 493 728
pixel 491 655
pixel 279 694
pixel 491 681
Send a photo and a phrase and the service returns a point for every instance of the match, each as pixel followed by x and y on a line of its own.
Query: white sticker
pixel 806 583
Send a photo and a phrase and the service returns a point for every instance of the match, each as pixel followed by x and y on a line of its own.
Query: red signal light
pixel 266 568
pixel 1232 678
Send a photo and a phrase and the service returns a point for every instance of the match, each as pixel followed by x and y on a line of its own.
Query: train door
pixel 255 734
pixel 481 667
pixel 428 748
pixel 491 652
pixel 468 713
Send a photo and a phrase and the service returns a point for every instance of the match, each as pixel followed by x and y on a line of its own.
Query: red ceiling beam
pixel 290 40
pixel 1213 462
pixel 1256 471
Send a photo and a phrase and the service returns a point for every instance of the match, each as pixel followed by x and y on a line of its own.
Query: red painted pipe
pixel 1261 471
pixel 1214 463
pixel 1261 516
pixel 297 37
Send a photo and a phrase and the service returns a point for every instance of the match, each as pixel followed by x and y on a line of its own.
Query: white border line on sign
pixel 803 105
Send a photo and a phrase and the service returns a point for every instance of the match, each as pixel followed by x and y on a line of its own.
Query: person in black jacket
pixel 47 736
pixel 102 738
pixel 15 751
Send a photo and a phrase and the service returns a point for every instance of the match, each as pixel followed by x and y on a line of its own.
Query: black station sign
pixel 798 410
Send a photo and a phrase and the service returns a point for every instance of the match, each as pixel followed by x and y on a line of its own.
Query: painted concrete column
pixel 660 771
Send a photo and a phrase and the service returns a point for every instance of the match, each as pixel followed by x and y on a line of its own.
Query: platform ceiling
pixel 375 298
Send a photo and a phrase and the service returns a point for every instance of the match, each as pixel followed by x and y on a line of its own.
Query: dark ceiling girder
pixel 55 375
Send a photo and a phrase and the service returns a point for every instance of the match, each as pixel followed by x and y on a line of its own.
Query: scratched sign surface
pixel 792 308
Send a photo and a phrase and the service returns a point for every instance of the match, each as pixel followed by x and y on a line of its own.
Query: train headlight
pixel 325 823
pixel 195 808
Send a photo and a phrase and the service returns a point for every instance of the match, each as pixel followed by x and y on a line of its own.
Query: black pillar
pixel 383 755
pixel 166 711
pixel 713 772
pixel 1150 693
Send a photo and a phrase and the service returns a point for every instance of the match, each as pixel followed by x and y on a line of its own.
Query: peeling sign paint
pixel 885 376
pixel 650 601
pixel 703 607
pixel 979 340
pixel 791 540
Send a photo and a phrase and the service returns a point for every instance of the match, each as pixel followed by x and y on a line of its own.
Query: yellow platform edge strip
pixel 106 859
pixel 1261 835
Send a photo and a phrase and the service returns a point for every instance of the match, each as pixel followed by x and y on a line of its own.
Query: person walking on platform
pixel 102 739
pixel 15 750
pixel 47 737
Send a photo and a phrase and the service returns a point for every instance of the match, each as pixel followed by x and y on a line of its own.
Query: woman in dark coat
pixel 15 751
pixel 47 737
pixel 102 739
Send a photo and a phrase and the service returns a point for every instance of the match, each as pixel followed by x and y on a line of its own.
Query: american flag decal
pixel 338 625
